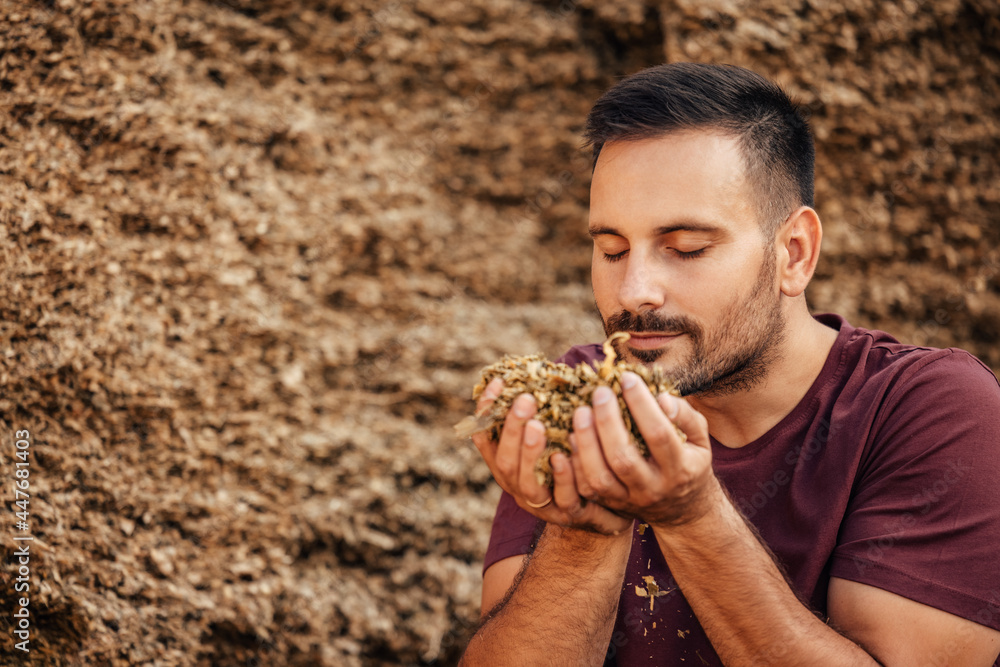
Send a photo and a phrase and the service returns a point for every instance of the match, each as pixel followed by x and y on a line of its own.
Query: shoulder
pixel 944 373
pixel 940 404
pixel 926 407
pixel 880 361
pixel 897 400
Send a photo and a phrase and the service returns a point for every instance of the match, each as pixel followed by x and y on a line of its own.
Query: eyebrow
pixel 682 226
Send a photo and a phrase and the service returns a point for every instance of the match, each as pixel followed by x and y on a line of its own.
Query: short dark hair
pixel 773 135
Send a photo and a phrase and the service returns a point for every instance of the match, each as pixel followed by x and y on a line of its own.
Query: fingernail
pixel 582 418
pixel 522 407
pixel 531 436
pixel 603 395
pixel 629 380
pixel 558 464
pixel 572 443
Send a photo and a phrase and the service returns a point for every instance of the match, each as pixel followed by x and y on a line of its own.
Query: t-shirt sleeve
pixel 924 518
pixel 514 532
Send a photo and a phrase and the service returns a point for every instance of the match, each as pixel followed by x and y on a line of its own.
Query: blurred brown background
pixel 254 253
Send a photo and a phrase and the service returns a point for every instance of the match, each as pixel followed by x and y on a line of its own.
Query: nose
pixel 642 287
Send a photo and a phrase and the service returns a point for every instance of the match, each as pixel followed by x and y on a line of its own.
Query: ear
pixel 798 242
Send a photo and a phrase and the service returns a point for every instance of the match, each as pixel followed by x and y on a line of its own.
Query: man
pixel 834 501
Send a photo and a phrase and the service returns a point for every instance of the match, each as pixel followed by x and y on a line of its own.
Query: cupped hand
pixel 675 484
pixel 512 461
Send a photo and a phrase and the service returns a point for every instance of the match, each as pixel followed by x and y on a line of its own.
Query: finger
pixel 489 396
pixel 594 478
pixel 620 452
pixel 487 448
pixel 564 492
pixel 534 440
pixel 572 510
pixel 576 462
pixel 508 454
pixel 651 418
pixel 693 425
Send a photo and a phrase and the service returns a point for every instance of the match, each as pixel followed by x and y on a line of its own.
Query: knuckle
pixel 623 462
pixel 598 485
pixel 528 456
pixel 482 440
pixel 511 432
pixel 643 499
pixel 607 413
pixel 661 433
pixel 506 467
pixel 608 480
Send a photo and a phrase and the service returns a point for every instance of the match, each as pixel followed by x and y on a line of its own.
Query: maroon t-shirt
pixel 885 473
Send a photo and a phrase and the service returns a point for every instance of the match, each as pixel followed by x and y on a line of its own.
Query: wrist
pixel 584 538
pixel 579 554
pixel 579 547
pixel 691 509
pixel 703 511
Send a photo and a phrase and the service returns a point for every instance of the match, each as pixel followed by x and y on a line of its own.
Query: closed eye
pixel 691 254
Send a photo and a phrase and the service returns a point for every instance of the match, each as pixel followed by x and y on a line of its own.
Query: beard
pixel 732 358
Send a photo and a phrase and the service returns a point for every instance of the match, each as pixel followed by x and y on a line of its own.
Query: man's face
pixel 680 263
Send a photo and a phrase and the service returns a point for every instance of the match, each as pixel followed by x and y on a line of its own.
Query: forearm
pixel 741 599
pixel 562 610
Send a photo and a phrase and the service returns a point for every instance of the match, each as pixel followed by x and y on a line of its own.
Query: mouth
pixel 650 340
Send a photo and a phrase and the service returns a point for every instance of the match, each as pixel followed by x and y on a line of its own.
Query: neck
pixel 739 418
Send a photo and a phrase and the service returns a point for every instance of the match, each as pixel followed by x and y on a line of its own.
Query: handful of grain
pixel 558 391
